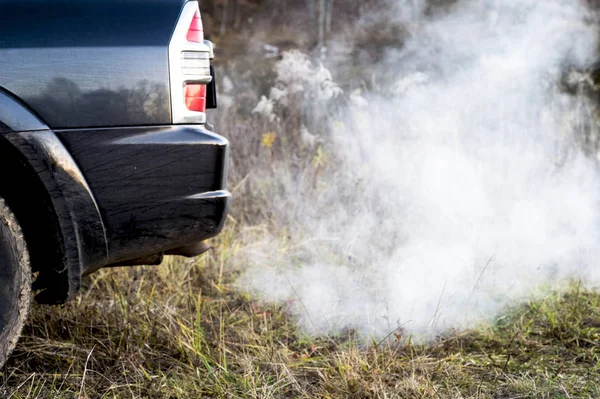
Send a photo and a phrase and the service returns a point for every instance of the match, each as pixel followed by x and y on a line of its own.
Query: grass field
pixel 185 329
pixel 181 330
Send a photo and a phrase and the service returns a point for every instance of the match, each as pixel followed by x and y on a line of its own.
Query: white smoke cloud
pixel 459 189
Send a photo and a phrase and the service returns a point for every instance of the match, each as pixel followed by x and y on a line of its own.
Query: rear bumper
pixel 157 188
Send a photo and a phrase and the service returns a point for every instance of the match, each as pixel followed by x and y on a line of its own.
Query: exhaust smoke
pixel 456 186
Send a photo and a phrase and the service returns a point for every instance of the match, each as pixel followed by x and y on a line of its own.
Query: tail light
pixel 195 97
pixel 189 67
pixel 196 31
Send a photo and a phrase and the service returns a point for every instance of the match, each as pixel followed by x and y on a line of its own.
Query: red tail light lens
pixel 195 97
pixel 196 31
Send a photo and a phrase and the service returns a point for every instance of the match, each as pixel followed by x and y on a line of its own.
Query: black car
pixel 106 156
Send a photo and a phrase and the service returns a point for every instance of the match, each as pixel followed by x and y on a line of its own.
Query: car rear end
pixel 162 189
pixel 124 85
pixel 106 154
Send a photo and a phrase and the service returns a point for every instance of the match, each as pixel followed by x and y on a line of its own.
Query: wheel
pixel 15 281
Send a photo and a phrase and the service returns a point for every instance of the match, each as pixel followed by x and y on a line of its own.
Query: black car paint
pixel 159 187
pixel 80 223
pixel 89 62
pixel 84 96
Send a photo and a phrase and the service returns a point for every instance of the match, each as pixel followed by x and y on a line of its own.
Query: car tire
pixel 15 281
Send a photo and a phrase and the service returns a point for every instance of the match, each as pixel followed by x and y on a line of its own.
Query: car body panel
pixel 87 23
pixel 85 98
pixel 133 192
pixel 158 187
pixel 79 219
pixel 15 117
pixel 89 63
pixel 84 237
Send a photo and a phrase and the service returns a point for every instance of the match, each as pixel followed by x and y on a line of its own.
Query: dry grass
pixel 181 330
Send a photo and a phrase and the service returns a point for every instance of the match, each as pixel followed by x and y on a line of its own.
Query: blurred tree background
pixel 315 18
pixel 311 21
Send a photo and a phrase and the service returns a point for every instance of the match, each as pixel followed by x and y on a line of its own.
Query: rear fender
pixel 81 225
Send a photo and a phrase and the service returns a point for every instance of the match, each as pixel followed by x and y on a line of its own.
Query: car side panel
pixel 91 62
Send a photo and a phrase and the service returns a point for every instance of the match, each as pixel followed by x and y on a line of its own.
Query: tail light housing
pixel 189 67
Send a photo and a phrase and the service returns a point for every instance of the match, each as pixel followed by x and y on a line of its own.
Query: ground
pixel 182 330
